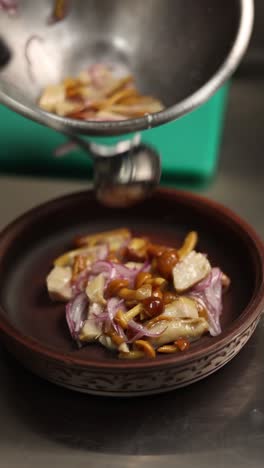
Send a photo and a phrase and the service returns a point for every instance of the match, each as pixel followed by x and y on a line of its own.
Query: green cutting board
pixel 189 146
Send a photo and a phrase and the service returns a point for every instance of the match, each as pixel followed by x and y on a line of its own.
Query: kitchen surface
pixel 217 422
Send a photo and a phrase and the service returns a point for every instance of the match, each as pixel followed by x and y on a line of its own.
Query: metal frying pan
pixel 180 51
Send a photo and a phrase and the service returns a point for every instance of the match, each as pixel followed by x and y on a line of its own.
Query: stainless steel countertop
pixel 218 422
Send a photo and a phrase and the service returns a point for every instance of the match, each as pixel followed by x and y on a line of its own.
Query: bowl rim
pixel 151 120
pixel 252 311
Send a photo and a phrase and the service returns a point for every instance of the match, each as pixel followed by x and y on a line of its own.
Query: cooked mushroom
pixel 95 289
pixel 183 307
pixel 170 331
pixel 91 254
pixel 113 238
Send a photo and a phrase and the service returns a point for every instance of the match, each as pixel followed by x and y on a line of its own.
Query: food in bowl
pixel 59 11
pixel 99 94
pixel 135 297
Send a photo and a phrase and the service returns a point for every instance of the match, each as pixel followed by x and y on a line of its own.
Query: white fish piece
pixel 59 283
pixel 190 270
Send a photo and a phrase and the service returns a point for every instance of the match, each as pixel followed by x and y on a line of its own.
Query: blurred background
pixel 191 147
pixel 254 59
pixel 216 150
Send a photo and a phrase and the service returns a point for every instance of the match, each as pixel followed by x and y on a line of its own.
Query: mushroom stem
pixel 123 318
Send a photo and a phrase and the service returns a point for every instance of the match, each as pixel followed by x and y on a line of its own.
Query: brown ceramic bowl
pixel 34 330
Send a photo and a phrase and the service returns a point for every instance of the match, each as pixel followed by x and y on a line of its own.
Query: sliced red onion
pixel 115 270
pixel 100 318
pixel 130 273
pixel 121 271
pixel 81 281
pixel 146 267
pixel 97 314
pixel 113 305
pixel 203 285
pixel 137 331
pixel 10 6
pixel 121 333
pixel 76 313
pixel 65 148
pixel 209 293
pixel 107 318
pixel 103 267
